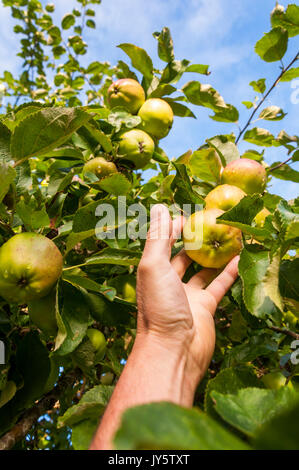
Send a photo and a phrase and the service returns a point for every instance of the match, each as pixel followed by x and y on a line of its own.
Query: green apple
pixel 125 286
pixel 136 146
pixel 42 313
pixel 107 378
pixel 100 167
pixel 157 117
pixel 224 197
pixel 127 93
pixel 246 174
pixel 97 340
pixel 210 244
pixel 261 217
pixel 275 380
pixel 30 265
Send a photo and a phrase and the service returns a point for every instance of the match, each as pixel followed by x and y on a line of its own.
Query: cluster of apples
pixel 213 245
pixel 137 145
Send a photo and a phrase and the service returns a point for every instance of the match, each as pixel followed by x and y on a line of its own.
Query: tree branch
pixel 280 164
pixel 285 332
pixel 266 96
pixel 19 431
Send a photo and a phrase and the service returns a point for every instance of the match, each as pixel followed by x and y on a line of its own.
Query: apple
pixel 42 313
pixel 157 117
pixel 275 380
pixel 100 167
pixel 97 339
pixel 261 217
pixel 127 93
pixel 136 146
pixel 30 265
pixel 210 244
pixel 126 287
pixel 107 378
pixel 245 173
pixel 224 197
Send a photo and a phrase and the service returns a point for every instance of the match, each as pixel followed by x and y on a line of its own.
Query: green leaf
pixel 180 109
pixel 245 211
pixel 252 348
pixel 100 137
pixel 91 24
pixel 248 104
pixel 72 321
pixel 169 426
pixel 68 21
pixel 259 136
pixel 284 172
pixel 34 364
pixel 250 408
pixel 288 20
pixel 7 176
pixel 174 71
pixel 198 68
pixel 226 149
pixel 45 130
pixel 289 279
pixel 290 74
pixel 259 86
pixel 165 45
pixel 91 405
pixel 228 114
pixel 281 432
pixel 272 113
pixel 288 221
pixel 140 59
pixel 203 95
pixel 205 164
pixel 273 45
pixel 119 117
pixel 181 185
pixel 230 380
pixel 115 256
pixel 5 142
pixel 253 266
pixel 116 184
pixel 83 432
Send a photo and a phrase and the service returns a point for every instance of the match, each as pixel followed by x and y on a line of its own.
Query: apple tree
pixel 69 147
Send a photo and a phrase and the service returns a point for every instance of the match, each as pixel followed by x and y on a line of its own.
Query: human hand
pixel 179 316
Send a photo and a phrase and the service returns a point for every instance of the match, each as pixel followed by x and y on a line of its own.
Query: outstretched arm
pixel 175 332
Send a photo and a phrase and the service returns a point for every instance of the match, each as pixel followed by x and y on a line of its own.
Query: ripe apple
pixel 157 117
pixel 127 93
pixel 136 146
pixel 100 167
pixel 30 265
pixel 261 217
pixel 210 244
pixel 42 313
pixel 97 340
pixel 224 197
pixel 126 287
pixel 245 173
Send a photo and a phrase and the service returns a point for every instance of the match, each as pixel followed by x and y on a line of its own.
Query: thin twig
pixel 266 96
pixel 280 164
pixel 285 332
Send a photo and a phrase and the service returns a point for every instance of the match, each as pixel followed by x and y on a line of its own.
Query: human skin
pixel 175 337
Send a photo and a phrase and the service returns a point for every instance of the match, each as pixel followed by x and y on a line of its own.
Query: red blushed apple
pixel 246 174
pixel 126 93
pixel 210 244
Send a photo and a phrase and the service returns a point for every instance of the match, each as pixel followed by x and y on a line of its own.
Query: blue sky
pixel 221 33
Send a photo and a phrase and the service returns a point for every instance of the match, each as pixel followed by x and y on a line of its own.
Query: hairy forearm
pixel 154 372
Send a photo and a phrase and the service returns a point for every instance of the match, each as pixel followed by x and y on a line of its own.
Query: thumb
pixel 158 238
